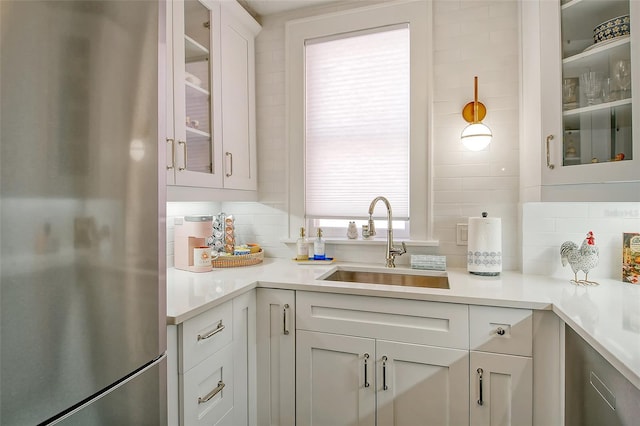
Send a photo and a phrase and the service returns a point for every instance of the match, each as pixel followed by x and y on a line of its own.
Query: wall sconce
pixel 476 136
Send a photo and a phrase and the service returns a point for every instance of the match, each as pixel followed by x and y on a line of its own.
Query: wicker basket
pixel 236 261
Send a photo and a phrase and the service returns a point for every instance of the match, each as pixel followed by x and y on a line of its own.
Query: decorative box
pixel 631 257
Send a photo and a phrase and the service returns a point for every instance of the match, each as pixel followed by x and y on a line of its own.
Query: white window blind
pixel 357 123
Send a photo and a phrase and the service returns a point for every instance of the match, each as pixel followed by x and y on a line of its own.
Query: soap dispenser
pixel 302 247
pixel 318 247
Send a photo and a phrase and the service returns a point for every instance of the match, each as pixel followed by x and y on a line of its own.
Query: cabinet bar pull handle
pixel 549 165
pixel 212 333
pixel 214 392
pixel 366 382
pixel 500 331
pixel 480 371
pixel 173 153
pixel 285 327
pixel 230 157
pixel 184 148
pixel 384 373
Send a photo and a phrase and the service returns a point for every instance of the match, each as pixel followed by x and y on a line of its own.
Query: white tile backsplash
pixel 545 226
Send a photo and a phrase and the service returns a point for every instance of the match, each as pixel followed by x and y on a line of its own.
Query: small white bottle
pixel 302 247
pixel 318 247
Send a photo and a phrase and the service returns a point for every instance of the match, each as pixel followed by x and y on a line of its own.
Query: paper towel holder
pixel 484 246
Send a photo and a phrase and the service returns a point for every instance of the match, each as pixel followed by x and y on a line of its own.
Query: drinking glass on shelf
pixel 622 76
pixel 607 90
pixel 569 93
pixel 591 82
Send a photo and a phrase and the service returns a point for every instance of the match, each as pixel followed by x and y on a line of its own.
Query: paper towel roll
pixel 484 245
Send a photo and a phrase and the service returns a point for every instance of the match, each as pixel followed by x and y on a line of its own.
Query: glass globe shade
pixel 476 136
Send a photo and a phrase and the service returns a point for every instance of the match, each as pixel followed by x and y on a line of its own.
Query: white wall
pixel 476 38
pixel 470 38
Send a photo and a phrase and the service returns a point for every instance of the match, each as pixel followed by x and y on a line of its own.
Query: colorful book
pixel 631 257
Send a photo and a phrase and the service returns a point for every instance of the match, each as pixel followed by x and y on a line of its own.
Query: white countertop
pixel 607 316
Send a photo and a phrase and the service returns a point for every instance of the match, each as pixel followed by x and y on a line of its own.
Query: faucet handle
pixel 399 252
pixel 404 248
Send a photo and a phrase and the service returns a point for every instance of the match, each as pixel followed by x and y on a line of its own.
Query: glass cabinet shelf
pixel 590 108
pixel 197 88
pixel 597 53
pixel 198 132
pixel 194 51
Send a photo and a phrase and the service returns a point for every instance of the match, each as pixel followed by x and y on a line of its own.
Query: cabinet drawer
pixel 207 390
pixel 204 335
pixel 410 321
pixel 501 330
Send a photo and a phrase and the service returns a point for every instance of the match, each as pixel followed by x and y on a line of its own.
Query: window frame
pixel 418 15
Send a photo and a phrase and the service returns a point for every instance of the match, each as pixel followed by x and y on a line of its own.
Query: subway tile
pixel 614 210
pixel 446 209
pixel 459 170
pixel 573 225
pixel 447 184
pixel 441 7
pixel 450 56
pixel 475 157
pixel 505 168
pixel 504 9
pixel 489 183
pixel 539 225
pixel 447 157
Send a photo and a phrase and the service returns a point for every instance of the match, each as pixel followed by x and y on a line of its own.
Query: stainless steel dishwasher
pixel 596 394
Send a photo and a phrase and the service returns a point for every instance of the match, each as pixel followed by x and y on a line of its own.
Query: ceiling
pixel 269 7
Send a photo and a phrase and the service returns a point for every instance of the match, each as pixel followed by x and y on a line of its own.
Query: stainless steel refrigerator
pixel 82 213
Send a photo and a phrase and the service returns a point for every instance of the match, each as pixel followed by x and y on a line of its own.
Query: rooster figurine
pixel 582 259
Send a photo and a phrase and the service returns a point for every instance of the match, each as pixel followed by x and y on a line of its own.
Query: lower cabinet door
pixel 244 359
pixel 276 359
pixel 421 385
pixel 207 390
pixel 335 380
pixel 501 389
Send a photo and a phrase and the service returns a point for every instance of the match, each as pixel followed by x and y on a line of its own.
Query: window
pixel 357 123
pixel 357 116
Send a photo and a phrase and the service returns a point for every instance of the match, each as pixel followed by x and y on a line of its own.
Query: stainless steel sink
pixel 409 280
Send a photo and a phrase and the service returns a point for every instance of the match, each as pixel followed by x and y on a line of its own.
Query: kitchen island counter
pixel 606 316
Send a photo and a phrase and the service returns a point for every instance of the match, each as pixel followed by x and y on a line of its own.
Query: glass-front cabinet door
pixel 590 70
pixel 191 154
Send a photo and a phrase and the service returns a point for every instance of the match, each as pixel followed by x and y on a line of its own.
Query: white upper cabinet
pixel 211 95
pixel 193 98
pixel 590 116
pixel 238 32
